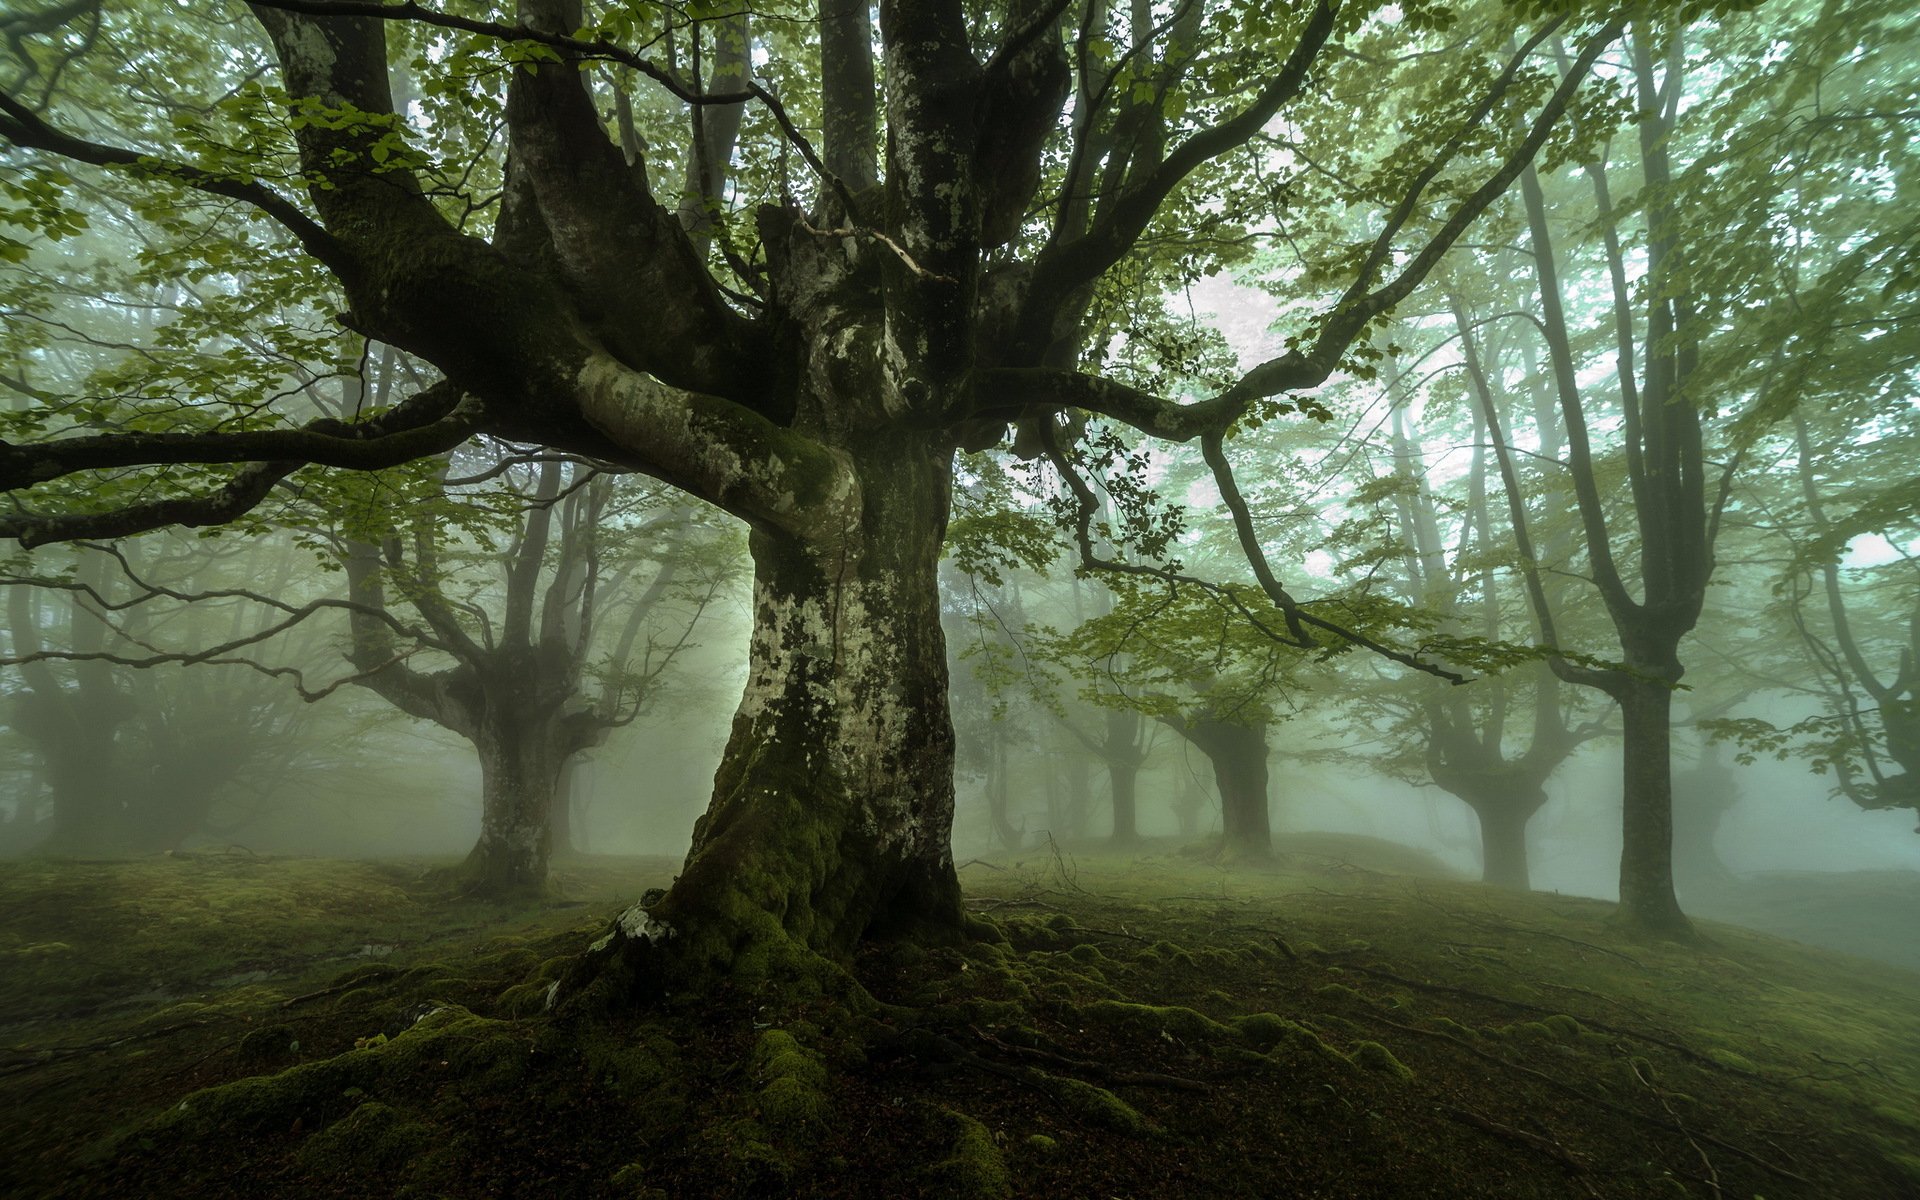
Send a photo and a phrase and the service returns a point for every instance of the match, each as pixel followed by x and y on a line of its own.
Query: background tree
pixel 545 664
pixel 153 689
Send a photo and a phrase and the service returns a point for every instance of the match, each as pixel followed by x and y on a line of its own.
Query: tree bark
pixel 834 799
pixel 1239 756
pixel 520 760
pixel 1503 839
pixel 1647 899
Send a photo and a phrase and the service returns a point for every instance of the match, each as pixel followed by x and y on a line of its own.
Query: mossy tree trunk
pixel 521 754
pixel 834 799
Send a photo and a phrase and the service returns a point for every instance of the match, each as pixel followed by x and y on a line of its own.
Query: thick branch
pixel 384 441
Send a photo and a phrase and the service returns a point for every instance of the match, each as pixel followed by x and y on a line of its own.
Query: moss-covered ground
pixel 224 1026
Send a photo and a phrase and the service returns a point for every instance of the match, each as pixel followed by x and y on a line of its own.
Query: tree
pixel 1457 738
pixel 816 381
pixel 1707 347
pixel 154 707
pixel 523 644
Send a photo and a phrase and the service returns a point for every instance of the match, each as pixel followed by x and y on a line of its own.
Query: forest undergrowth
pixel 217 1025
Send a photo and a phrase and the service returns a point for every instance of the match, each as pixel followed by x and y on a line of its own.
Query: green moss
pixel 1563 1026
pixel 1101 1107
pixel 1340 991
pixel 1040 1143
pixel 1173 956
pixel 792 1099
pixel 1737 1062
pixel 630 1064
pixel 373 1139
pixel 1086 952
pixel 1269 1030
pixel 1375 1057
pixel 1185 1024
pixel 630 1182
pixel 974 1168
pixel 268 1045
pixel 737 1153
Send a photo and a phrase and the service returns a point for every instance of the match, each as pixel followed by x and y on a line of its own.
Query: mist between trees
pixel 1485 427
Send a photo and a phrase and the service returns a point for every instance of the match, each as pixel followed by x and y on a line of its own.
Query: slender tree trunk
pixel 1124 778
pixel 1123 773
pixel 834 800
pixel 1647 898
pixel 999 785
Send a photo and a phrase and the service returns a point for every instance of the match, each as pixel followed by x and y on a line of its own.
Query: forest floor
pixel 1333 1024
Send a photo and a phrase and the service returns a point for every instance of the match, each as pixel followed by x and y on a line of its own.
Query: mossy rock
pixel 1172 955
pixel 1102 1107
pixel 974 1168
pixel 270 1045
pixel 1376 1057
pixel 1185 1024
pixel 1267 1031
pixel 1444 1024
pixel 373 1139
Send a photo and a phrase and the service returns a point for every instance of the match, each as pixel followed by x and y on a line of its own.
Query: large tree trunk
pixel 1239 756
pixel 89 807
pixel 1503 837
pixel 833 804
pixel 1647 899
pixel 520 760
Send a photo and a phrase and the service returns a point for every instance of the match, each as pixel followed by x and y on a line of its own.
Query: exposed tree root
pixel 1100 1071
pixel 1667 1043
pixel 1597 1101
pixel 1712 1176
pixel 360 980
pixel 1519 1137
